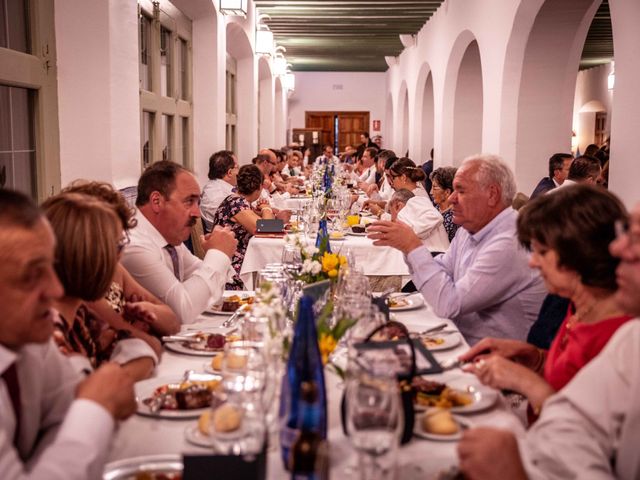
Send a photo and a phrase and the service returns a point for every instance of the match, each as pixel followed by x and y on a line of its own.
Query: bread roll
pixel 226 418
pixel 204 422
pixel 439 421
pixel 216 362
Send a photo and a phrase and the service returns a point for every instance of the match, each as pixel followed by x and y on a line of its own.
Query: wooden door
pixel 347 125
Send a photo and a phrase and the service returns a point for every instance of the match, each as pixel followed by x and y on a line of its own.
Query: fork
pixel 232 319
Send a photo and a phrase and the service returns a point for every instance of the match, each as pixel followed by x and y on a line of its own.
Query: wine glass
pixel 373 413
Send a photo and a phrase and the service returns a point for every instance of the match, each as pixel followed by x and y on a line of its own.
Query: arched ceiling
pixel 356 35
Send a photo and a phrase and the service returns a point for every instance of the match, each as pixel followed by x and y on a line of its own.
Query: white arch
pixel 266 104
pixel 423 115
pixel 390 123
pixel 280 112
pixel 402 122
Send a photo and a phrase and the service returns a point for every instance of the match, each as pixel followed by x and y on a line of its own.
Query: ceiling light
pixel 611 79
pixel 289 81
pixel 234 7
pixel 279 65
pixel 264 41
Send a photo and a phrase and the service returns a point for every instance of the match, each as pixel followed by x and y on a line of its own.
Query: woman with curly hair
pixel 441 190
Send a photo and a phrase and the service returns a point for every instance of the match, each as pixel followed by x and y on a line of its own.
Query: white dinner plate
pixel 411 302
pixel 355 234
pixel 194 436
pixel 483 397
pixel 215 309
pixel 145 388
pixel 209 369
pixel 130 467
pixel 463 424
pixel 339 239
pixel 451 340
pixel 178 347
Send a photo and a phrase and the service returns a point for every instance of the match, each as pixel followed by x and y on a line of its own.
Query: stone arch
pixel 462 101
pixel 424 114
pixel 389 120
pixel 280 126
pixel 266 104
pixel 239 47
pixel 541 67
pixel 403 120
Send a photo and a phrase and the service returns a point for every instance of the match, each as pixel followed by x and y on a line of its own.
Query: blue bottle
pixel 323 235
pixel 303 367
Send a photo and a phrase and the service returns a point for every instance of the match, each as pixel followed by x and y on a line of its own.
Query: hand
pixel 520 352
pixel 394 234
pixel 371 189
pixel 222 239
pixel 488 453
pixel 284 215
pixel 139 311
pixel 112 388
pixel 500 373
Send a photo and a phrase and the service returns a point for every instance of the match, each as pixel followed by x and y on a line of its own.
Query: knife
pixel 181 338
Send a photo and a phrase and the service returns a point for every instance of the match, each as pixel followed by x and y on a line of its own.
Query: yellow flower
pixel 330 261
pixel 327 345
pixel 343 260
pixel 333 273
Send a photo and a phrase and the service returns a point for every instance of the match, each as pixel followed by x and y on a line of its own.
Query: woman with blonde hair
pixel 88 237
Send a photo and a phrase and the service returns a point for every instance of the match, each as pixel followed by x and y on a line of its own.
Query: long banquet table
pixel 373 260
pixel 142 436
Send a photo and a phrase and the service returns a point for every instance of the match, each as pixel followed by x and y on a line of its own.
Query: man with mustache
pixel 483 282
pixel 168 206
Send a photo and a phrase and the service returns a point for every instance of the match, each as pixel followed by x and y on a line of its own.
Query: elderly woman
pixel 127 303
pixel 235 211
pixel 441 190
pixel 422 216
pixel 88 236
pixel 569 234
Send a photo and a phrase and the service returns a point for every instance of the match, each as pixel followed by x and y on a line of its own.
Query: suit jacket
pixel 543 186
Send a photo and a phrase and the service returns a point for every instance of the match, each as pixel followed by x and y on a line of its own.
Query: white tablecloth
pixel 141 436
pixel 373 260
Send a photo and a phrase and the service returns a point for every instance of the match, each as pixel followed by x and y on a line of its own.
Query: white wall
pixel 592 95
pixel 340 91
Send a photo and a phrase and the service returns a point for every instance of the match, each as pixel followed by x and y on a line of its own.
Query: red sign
pixel 376 125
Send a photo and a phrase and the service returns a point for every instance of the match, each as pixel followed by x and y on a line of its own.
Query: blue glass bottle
pixel 304 365
pixel 323 235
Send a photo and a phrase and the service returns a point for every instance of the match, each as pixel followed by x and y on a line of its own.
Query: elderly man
pixel 52 425
pixel 559 164
pixel 483 282
pixel 168 206
pixel 591 428
pixel 223 170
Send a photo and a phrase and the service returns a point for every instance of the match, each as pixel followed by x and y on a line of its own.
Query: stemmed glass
pixel 374 422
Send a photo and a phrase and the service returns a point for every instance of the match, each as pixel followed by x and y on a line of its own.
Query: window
pixel 231 142
pixel 29 148
pixel 165 83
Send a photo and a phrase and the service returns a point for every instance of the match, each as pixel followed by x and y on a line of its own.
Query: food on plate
pixel 336 235
pixel 187 395
pixel 389 332
pixel 397 302
pixel 435 394
pixel 206 342
pixel 157 476
pixel 430 341
pixel 204 422
pixel 358 228
pixel 236 362
pixel 216 362
pixel 439 422
pixel 227 418
pixel 232 303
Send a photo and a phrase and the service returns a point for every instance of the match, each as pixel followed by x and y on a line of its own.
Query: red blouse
pixel 583 342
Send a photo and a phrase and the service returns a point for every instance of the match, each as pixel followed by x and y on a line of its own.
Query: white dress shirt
pixel 201 282
pixel 60 438
pixel 213 193
pixel 419 191
pixel 483 282
pixel 369 175
pixel 591 428
pixel 427 222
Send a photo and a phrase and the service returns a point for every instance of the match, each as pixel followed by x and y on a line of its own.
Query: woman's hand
pixel 515 350
pixel 141 312
pixel 488 453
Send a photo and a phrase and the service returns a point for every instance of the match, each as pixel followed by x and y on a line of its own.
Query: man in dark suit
pixel 559 164
pixel 366 143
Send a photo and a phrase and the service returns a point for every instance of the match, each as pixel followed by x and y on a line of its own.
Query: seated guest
pixel 441 190
pixel 590 429
pixel 559 164
pixel 381 191
pixel 482 282
pixel 127 303
pixel 569 234
pixel 427 168
pixel 368 175
pixel 88 234
pixel 277 184
pixel 327 156
pixel 235 212
pixel 223 168
pixel 53 424
pixel 584 169
pixel 168 207
pixel 420 214
pixel 293 166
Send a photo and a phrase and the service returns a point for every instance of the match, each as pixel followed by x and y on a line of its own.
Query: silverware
pixel 452 363
pixel 181 338
pixel 233 318
pixel 435 328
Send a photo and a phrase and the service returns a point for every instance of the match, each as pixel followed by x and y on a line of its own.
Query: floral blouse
pixel 229 208
pixel 449 226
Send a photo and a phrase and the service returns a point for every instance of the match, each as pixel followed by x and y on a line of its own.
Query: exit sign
pixel 376 125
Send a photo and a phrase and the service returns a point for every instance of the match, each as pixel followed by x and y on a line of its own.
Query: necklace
pixel 574 319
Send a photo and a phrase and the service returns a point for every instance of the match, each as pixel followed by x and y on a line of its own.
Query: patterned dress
pixel 449 226
pixel 229 208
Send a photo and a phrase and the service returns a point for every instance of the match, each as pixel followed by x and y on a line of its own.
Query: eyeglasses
pixel 123 242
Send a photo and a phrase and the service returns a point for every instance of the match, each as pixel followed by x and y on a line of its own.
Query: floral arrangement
pixel 318 263
pixel 330 333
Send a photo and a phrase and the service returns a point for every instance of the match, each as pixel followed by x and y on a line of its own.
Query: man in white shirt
pixel 327 156
pixel 223 170
pixel 52 425
pixel 591 428
pixel 168 206
pixel 368 176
